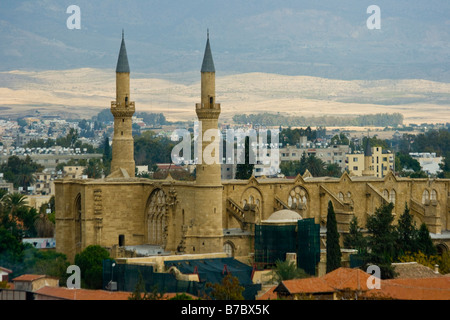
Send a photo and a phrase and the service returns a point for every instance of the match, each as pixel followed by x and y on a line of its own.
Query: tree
pixel 445 166
pixel 20 172
pixel 424 242
pixel 381 240
pixel 94 169
pixel 228 289
pixel 140 293
pixel 406 233
pixel 90 261
pixel 355 239
pixel 333 248
pixel 17 217
pixel 107 155
pixel 287 270
pixel 315 166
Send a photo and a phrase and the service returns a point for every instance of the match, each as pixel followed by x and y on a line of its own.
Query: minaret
pixel 368 165
pixel 208 112
pixel 122 163
pixel 206 234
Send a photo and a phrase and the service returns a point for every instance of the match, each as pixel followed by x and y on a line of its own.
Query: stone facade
pixel 209 215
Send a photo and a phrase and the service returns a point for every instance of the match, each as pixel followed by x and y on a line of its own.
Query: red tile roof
pixel 308 285
pixel 346 278
pixel 29 277
pixel 5 270
pixel 413 289
pixel 83 294
pixel 436 288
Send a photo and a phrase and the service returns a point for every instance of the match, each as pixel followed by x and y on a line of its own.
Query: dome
pixel 283 216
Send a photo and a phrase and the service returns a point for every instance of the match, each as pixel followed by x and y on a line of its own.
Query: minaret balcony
pixel 207 106
pixel 122 110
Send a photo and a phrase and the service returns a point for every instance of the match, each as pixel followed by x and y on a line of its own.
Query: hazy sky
pixel 325 38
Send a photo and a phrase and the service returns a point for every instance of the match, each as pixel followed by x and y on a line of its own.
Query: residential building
pixel 373 162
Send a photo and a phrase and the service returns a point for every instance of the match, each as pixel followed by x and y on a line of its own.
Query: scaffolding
pixel 272 242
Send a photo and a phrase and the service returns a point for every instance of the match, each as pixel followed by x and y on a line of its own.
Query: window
pixel 121 240
pixel 425 196
pixel 392 196
pixel 433 195
pixel 355 168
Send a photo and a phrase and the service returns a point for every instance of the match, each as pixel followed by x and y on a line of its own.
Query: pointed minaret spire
pixel 208 63
pixel 122 61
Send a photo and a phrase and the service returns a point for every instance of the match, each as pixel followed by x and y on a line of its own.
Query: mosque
pixel 210 215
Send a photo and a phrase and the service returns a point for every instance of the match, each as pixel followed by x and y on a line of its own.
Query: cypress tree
pixel 333 247
pixel 424 243
pixel 406 233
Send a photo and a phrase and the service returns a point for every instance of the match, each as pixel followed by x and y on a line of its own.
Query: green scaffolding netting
pixel 208 270
pixel 272 242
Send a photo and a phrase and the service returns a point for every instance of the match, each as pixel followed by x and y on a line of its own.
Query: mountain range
pixel 327 38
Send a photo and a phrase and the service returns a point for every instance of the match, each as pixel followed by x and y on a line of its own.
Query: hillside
pixel 82 93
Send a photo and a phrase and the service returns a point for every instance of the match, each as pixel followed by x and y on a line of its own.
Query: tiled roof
pixel 346 278
pixel 6 270
pixel 308 285
pixel 83 294
pixel 29 277
pixel 433 288
pixel 413 289
pixel 414 270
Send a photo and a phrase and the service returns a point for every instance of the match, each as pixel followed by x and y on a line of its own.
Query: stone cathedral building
pixel 209 215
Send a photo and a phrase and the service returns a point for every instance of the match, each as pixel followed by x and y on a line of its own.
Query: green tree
pixel 406 233
pixel 424 242
pixel 94 169
pixel 381 240
pixel 228 289
pixel 17 216
pixel 11 250
pixel 90 261
pixel 315 166
pixel 20 172
pixel 107 156
pixel 445 166
pixel 333 170
pixel 287 270
pixel 150 149
pixel 355 239
pixel 333 248
pixel 140 292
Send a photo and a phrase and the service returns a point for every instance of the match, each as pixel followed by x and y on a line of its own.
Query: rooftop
pixel 83 294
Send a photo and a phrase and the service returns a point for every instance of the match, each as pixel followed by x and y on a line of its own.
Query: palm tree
pixel 12 202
